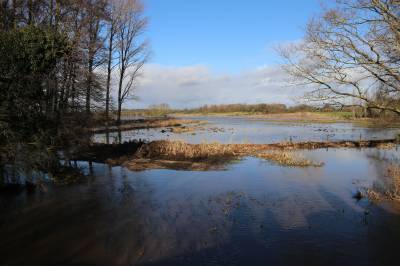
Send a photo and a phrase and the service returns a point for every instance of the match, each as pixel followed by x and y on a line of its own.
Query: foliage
pixel 27 133
pixel 50 53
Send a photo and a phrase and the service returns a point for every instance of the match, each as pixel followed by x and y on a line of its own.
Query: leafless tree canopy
pixel 131 49
pixel 351 55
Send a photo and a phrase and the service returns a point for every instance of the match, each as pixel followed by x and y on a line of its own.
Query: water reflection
pixel 254 213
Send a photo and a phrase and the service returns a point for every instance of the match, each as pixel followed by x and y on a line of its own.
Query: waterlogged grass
pixel 183 150
pixel 285 158
pixel 179 154
pixel 204 156
pixel 390 189
pixel 393 172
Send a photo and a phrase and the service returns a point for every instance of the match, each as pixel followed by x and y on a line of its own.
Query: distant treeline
pixel 251 108
pixel 263 108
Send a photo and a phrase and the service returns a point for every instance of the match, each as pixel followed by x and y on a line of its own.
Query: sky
pixel 220 51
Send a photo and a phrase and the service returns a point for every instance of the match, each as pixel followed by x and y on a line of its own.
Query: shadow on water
pixel 255 213
pixel 344 237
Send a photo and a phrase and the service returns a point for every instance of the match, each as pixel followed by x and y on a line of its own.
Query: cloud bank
pixel 192 86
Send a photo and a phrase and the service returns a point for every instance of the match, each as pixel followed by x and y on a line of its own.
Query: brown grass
pixel 285 158
pixel 173 151
pixel 374 195
pixel 393 172
pixel 390 190
pixel 182 150
pixel 385 146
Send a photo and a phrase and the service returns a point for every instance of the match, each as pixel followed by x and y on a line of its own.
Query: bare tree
pixel 112 24
pixel 132 49
pixel 95 13
pixel 351 55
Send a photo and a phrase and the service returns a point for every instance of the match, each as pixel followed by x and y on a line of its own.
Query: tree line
pixel 262 108
pixel 59 63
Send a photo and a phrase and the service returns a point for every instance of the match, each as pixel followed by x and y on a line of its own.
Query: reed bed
pixel 179 150
pixel 183 150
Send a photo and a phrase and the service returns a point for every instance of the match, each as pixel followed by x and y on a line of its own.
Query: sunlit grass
pixel 286 158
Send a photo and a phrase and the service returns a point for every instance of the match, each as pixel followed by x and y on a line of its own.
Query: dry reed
pixel 393 172
pixel 182 150
pixel 285 158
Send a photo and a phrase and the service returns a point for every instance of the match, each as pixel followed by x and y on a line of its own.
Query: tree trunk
pixel 119 113
pixel 110 49
pixel 89 85
pixel 121 78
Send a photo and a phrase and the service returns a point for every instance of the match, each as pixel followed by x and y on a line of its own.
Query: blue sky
pixel 225 35
pixel 220 51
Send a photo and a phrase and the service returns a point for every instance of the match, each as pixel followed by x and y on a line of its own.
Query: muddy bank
pixel 99 152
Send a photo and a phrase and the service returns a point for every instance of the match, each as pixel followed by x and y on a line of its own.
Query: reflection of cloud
pixel 196 85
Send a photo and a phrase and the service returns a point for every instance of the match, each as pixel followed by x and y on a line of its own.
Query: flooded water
pixel 245 130
pixel 253 213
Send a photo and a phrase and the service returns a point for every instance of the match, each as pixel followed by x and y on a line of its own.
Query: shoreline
pixel 298 117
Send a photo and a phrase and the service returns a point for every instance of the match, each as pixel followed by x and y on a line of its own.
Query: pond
pixel 252 213
pixel 245 130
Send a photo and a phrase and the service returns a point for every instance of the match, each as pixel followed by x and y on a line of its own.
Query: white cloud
pixel 197 85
